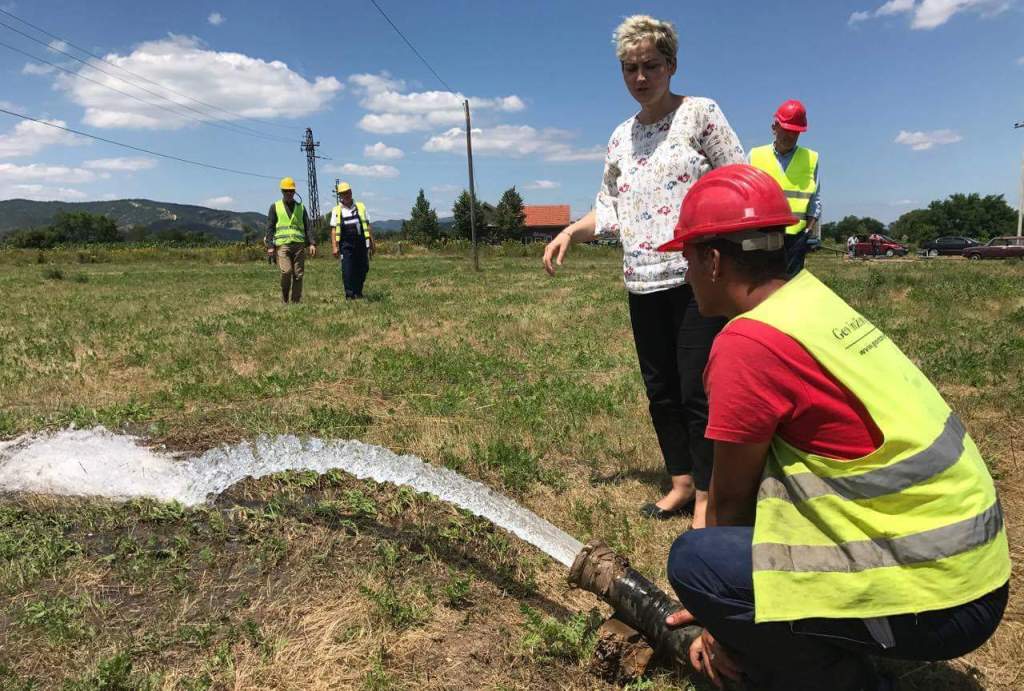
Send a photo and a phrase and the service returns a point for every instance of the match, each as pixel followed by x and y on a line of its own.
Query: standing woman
pixel 654 157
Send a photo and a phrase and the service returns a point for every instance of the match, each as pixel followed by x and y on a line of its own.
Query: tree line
pixel 501 223
pixel 83 228
pixel 968 215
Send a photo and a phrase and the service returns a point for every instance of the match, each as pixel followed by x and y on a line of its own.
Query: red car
pixel 997 248
pixel 878 246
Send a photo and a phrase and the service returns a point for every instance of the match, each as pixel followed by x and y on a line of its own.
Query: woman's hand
pixel 707 656
pixel 555 250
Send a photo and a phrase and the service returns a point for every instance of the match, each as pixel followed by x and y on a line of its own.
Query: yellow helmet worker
pixel 351 240
pixel 289 234
pixel 851 514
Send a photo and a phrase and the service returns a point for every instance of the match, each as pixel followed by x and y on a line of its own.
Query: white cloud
pixel 922 141
pixel 56 46
pixel 373 171
pixel 383 152
pixel 218 202
pixel 44 193
pixel 14 175
pixel 235 82
pixel 37 68
pixel 929 14
pixel 1020 60
pixel 903 202
pixel 28 137
pixel 542 185
pixel 392 111
pixel 514 141
pixel 445 188
pixel 216 18
pixel 390 123
pixel 120 164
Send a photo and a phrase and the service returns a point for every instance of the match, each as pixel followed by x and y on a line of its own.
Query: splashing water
pixel 100 463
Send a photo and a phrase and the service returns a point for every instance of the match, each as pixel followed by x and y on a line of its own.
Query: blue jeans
pixel 795 249
pixel 711 571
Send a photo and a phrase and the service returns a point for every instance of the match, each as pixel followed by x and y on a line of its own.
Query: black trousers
pixel 355 264
pixel 672 343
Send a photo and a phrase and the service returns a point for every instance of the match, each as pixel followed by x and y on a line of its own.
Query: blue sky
pixel 909 100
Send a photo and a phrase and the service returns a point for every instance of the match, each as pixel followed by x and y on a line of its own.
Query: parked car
pixel 997 248
pixel 877 246
pixel 949 244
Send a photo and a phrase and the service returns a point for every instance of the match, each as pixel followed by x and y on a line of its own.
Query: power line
pixel 138 148
pixel 411 46
pixel 78 75
pixel 139 76
pixel 205 116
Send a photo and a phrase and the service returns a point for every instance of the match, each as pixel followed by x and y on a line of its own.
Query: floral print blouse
pixel 647 172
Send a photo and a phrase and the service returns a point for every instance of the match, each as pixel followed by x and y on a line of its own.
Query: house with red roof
pixel 544 221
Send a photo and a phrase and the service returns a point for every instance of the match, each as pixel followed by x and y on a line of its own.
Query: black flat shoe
pixel 652 510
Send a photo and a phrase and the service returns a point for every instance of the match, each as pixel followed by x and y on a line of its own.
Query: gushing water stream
pixel 100 463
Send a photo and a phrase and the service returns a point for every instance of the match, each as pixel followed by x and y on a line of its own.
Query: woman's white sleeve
pixel 606 207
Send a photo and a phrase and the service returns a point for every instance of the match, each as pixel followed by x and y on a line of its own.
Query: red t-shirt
pixel 760 382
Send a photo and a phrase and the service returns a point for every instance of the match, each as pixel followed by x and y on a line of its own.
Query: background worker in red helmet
pixel 850 513
pixel 795 168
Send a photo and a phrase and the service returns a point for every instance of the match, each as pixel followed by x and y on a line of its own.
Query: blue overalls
pixel 355 260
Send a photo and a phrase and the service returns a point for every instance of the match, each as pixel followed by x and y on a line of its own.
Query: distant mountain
pixel 153 216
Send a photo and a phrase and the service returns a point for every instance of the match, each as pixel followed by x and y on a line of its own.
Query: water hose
pixel 636 601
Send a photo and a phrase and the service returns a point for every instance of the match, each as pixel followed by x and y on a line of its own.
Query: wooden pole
pixel 472 189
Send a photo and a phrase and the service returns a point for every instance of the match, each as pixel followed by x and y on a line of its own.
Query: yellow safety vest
pixel 798 181
pixel 914 526
pixel 290 228
pixel 364 224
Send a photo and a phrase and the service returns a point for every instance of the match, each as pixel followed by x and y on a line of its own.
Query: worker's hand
pixel 680 618
pixel 270 251
pixel 709 657
pixel 372 249
pixel 555 250
pixel 312 250
pixel 335 252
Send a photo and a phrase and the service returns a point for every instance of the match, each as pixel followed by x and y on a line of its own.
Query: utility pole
pixel 309 146
pixel 1020 202
pixel 472 189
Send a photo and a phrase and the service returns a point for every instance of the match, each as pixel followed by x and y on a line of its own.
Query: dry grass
pixel 304 582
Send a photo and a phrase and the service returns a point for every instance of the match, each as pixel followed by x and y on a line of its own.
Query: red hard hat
pixel 792 116
pixel 728 200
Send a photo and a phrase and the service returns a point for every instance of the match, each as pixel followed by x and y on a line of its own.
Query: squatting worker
pixel 352 241
pixel 851 515
pixel 654 157
pixel 795 168
pixel 288 235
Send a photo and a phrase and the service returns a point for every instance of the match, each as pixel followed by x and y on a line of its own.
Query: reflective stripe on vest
pixel 914 526
pixel 363 224
pixel 797 181
pixel 290 228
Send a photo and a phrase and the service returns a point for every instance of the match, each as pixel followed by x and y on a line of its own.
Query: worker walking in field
pixel 850 514
pixel 352 241
pixel 795 168
pixel 288 235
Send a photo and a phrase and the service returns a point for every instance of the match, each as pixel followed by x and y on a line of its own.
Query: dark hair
pixel 757 266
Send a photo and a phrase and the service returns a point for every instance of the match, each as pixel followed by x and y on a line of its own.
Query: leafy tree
pixel 509 216
pixel 249 234
pixel 460 223
pixel 81 228
pixel 32 238
pixel 422 226
pixel 838 231
pixel 916 226
pixel 973 215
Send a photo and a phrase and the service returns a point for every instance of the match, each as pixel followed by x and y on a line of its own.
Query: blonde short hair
pixel 639 28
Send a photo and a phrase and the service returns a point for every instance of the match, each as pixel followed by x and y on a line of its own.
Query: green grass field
pixel 527 383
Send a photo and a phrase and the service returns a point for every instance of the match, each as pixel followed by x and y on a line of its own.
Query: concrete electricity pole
pixel 1020 203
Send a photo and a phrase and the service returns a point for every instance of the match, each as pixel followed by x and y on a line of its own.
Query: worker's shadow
pixel 931 676
pixel 647 476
